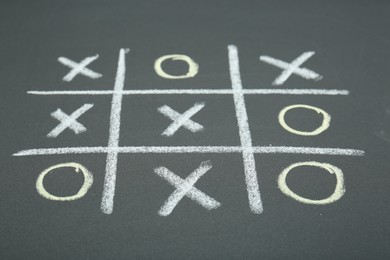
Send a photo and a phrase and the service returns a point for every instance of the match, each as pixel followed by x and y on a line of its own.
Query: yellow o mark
pixel 338 191
pixel 88 180
pixel 320 129
pixel 192 66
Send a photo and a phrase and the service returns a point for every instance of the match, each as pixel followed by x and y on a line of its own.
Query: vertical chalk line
pixel 254 197
pixel 107 204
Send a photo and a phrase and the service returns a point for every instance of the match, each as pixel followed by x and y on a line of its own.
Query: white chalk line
pixel 191 149
pixel 329 92
pixel 113 139
pixel 251 180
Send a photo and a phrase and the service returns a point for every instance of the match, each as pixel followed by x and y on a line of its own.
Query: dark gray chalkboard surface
pixel 235 129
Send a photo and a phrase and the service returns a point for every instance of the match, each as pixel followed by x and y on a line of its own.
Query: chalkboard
pixel 195 129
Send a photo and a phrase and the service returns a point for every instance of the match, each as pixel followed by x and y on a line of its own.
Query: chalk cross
pixel 67 121
pixel 180 120
pixel 292 68
pixel 79 68
pixel 186 188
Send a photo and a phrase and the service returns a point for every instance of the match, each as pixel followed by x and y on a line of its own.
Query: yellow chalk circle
pixel 337 194
pixel 88 180
pixel 320 129
pixel 192 66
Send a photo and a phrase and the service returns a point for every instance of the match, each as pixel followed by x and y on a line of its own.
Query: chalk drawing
pixel 246 148
pixel 69 121
pixel 79 68
pixel 326 92
pixel 88 180
pixel 324 125
pixel 180 120
pixel 192 66
pixel 186 188
pixel 253 189
pixel 292 68
pixel 107 204
pixel 337 194
pixel 191 149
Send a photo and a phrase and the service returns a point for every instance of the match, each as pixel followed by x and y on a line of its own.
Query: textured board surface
pixel 194 129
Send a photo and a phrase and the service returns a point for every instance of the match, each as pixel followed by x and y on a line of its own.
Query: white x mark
pixel 292 68
pixel 181 119
pixel 186 188
pixel 79 68
pixel 69 121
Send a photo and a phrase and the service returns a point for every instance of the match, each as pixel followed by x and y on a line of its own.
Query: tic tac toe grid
pixel 246 148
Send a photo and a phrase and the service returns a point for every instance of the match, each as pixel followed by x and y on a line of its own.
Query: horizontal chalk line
pixel 331 92
pixel 191 149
